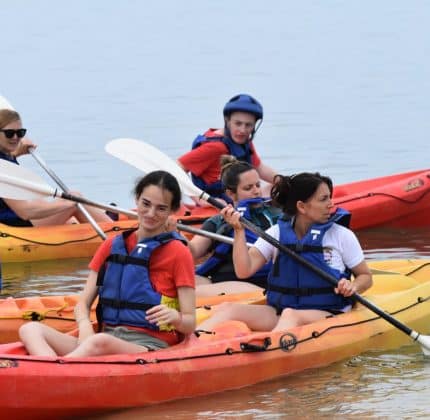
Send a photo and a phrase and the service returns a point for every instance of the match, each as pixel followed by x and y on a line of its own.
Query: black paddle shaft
pixel 323 274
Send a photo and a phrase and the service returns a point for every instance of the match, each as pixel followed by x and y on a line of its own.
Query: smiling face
pixel 8 146
pixel 153 209
pixel 249 186
pixel 241 125
pixel 317 208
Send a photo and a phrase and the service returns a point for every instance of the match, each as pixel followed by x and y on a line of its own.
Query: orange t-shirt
pixel 204 160
pixel 171 266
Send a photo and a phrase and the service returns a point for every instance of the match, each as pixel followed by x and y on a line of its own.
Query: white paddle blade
pixel 21 184
pixel 148 158
pixel 5 104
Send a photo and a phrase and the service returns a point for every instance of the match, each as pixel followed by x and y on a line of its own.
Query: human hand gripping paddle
pixel 20 183
pixel 147 158
pixel 5 104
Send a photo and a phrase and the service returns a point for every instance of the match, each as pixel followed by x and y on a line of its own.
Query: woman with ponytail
pixel 295 294
pixel 243 188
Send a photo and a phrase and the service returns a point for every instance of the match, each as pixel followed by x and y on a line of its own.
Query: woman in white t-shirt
pixel 296 295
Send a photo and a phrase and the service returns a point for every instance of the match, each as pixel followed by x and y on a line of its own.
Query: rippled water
pixel 345 88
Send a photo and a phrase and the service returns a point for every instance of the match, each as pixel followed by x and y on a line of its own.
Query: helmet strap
pixel 257 126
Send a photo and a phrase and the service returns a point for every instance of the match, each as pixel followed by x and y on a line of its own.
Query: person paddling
pixel 243 115
pixel 33 212
pixel 144 280
pixel 295 294
pixel 216 274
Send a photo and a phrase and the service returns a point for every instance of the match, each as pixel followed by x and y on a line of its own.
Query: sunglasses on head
pixel 9 132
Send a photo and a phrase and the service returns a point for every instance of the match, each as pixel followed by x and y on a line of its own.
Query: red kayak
pixel 400 201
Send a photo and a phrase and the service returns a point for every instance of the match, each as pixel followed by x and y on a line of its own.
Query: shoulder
pixel 272 231
pixel 346 242
pixel 340 231
pixel 176 248
pixel 213 223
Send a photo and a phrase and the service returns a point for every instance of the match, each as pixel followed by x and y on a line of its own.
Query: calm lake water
pixel 345 88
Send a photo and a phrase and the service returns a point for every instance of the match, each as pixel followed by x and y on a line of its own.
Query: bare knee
pixel 291 316
pixel 30 329
pixel 96 344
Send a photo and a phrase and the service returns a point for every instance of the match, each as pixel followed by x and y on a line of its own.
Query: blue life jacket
pixel 242 152
pixel 7 215
pixel 223 251
pixel 125 289
pixel 291 284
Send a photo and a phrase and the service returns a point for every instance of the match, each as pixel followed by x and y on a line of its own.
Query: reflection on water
pixel 388 243
pixel 60 277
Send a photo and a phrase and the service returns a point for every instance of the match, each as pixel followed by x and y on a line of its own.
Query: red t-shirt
pixel 204 160
pixel 171 266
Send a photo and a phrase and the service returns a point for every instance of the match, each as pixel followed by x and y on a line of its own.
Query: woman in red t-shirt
pixel 167 278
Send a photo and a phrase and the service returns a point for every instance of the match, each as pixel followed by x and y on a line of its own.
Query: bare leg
pixel 226 287
pixel 70 216
pixel 257 317
pixel 97 214
pixel 294 317
pixel 57 219
pixel 41 340
pixel 102 344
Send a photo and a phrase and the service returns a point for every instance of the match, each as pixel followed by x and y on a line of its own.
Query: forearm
pixel 241 258
pixel 185 323
pixel 362 282
pixel 266 173
pixel 82 312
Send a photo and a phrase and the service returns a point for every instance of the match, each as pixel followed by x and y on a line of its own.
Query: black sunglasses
pixel 9 132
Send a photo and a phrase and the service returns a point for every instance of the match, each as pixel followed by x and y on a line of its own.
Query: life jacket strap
pixel 123 304
pixel 301 291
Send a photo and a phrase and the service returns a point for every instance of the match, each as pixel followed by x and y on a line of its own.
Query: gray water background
pixel 346 91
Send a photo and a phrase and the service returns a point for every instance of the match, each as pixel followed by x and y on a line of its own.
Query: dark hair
pixel 231 169
pixel 7 116
pixel 288 190
pixel 165 181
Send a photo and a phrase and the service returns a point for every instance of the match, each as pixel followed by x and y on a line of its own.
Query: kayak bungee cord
pixel 403 200
pixel 72 241
pixel 287 342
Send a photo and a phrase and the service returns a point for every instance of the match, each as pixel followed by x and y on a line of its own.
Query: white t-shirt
pixel 341 247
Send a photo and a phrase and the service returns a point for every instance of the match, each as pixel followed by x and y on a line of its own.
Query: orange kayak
pixel 46 387
pixel 401 200
pixel 22 244
pixel 58 311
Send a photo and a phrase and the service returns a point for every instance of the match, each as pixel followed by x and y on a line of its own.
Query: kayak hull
pixel 399 201
pixel 55 388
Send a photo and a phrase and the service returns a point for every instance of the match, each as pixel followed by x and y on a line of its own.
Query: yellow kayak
pixel 22 244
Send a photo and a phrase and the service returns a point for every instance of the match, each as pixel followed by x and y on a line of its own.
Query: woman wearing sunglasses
pixel 32 212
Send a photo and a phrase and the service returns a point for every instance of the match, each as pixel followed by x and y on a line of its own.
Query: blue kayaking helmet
pixel 243 103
